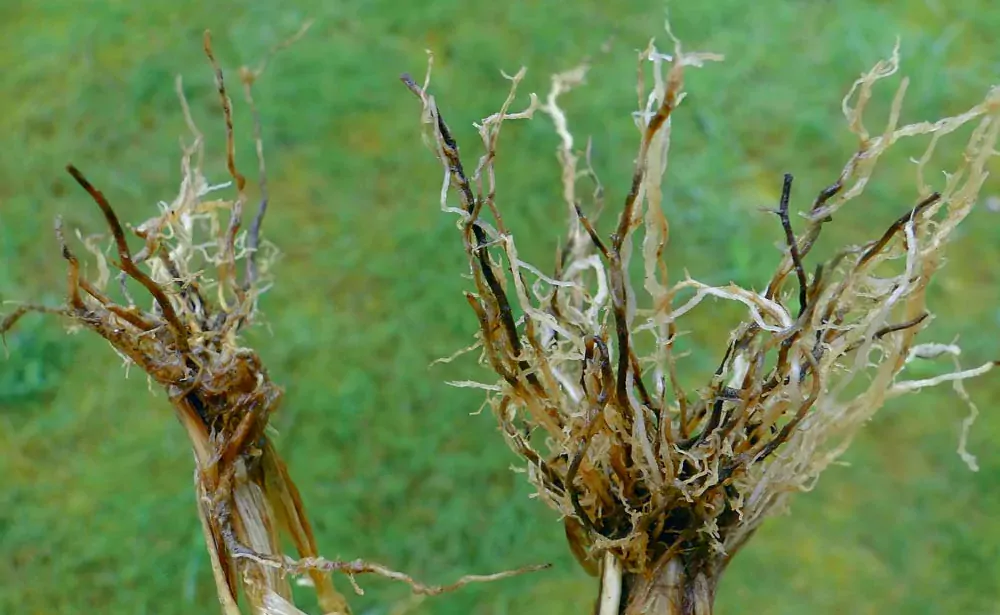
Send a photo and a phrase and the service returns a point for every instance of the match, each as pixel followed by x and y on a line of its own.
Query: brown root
pixel 665 484
pixel 188 342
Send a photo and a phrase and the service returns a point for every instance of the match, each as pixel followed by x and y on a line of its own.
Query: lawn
pixel 96 505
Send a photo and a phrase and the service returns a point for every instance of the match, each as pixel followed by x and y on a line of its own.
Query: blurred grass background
pixel 96 509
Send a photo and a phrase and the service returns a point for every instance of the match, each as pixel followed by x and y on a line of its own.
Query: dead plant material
pixel 188 342
pixel 660 487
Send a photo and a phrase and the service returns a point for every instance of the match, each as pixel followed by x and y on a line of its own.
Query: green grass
pixel 96 506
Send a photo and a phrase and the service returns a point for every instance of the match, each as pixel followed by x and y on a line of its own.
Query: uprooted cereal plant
pixel 659 486
pixel 204 274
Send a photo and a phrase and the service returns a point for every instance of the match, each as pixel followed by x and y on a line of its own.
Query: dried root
pixel 641 470
pixel 187 339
